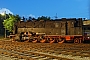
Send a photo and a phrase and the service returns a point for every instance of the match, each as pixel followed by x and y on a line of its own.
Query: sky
pixel 52 8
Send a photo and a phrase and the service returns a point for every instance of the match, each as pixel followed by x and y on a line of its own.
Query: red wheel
pixel 76 40
pixel 34 41
pixel 61 40
pixel 51 40
pixel 43 41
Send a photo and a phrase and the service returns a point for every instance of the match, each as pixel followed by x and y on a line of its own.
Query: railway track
pixel 44 51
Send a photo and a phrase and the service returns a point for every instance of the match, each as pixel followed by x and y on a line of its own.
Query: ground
pixel 43 51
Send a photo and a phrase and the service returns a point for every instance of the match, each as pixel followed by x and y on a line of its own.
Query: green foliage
pixel 9 22
pixel 44 18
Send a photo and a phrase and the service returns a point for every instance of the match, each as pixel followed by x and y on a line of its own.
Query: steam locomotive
pixel 58 30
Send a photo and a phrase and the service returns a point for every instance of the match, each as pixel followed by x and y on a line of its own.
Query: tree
pixel 2 17
pixel 9 22
pixel 30 18
pixel 23 18
pixel 18 18
pixel 43 18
